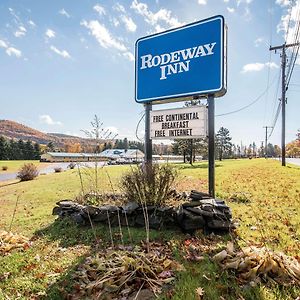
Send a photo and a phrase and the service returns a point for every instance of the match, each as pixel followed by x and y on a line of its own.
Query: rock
pixel 130 207
pixel 199 211
pixel 142 295
pixel 66 203
pixel 56 211
pixel 78 218
pixel 192 222
pixel 192 204
pixel 218 224
pixel 195 195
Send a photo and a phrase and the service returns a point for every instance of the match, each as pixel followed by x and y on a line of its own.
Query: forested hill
pixel 13 130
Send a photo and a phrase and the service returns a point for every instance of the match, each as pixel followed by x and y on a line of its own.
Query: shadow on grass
pixel 197 166
pixel 69 234
pixel 11 183
pixel 205 274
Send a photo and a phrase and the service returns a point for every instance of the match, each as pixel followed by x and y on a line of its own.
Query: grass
pixel 265 197
pixel 14 165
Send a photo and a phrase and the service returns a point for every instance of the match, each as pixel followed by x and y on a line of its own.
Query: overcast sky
pixel 62 61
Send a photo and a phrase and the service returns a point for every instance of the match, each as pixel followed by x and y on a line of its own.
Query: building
pixel 70 157
pixel 122 155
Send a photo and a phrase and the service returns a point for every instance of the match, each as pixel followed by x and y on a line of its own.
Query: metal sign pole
pixel 211 145
pixel 148 141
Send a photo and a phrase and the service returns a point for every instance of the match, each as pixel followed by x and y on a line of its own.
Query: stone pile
pixel 199 212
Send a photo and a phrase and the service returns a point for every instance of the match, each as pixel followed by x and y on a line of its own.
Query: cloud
pixel 256 67
pixel 103 36
pixel 129 24
pixel 99 9
pixel 238 2
pixel 258 41
pixel 129 56
pixel 115 22
pixel 62 53
pixel 50 33
pixel 283 2
pixel 20 32
pixel 289 21
pixel 119 7
pixel 231 9
pixel 31 23
pixel 163 15
pixel 226 1
pixel 13 51
pixel 202 2
pixel 64 13
pixel 10 51
pixel 114 130
pixel 46 119
pixel 3 44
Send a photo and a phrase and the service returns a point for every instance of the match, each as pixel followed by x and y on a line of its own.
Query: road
pixel 294 161
pixel 48 169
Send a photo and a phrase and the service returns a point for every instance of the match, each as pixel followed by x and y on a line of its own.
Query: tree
pixel 20 150
pixel 125 144
pixel 50 147
pixel 3 148
pixel 13 151
pixel 223 143
pixel 293 149
pixel 28 152
pixel 73 147
pixel 37 151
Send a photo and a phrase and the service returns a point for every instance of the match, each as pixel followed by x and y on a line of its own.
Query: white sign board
pixel 180 123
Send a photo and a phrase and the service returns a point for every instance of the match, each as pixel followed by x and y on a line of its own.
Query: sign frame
pixel 218 92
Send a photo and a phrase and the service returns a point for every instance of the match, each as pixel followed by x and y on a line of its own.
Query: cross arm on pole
pixel 284 46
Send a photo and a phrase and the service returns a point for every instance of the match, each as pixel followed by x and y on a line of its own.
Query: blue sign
pixel 181 63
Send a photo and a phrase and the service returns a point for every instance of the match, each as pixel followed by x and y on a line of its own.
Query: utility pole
pixel 283 92
pixel 266 140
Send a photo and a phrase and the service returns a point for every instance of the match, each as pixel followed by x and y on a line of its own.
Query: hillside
pixel 11 129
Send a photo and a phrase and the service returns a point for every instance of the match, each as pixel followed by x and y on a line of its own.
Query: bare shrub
pixel 57 170
pixel 4 168
pixel 150 185
pixel 27 172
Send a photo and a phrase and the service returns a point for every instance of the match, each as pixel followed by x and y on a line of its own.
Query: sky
pixel 63 61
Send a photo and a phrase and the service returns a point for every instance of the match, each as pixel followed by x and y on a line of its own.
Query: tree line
pixel 224 148
pixel 18 150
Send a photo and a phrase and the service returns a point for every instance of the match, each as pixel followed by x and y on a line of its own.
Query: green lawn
pixel 264 195
pixel 14 165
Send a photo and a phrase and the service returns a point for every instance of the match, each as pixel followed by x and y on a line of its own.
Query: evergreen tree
pixel 20 150
pixel 28 151
pixel 223 143
pixel 37 151
pixel 50 147
pixel 125 144
pixel 13 150
pixel 3 149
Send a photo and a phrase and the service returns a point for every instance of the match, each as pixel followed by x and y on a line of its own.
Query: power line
pixel 275 119
pixel 250 104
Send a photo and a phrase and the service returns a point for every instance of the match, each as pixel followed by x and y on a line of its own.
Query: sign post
pixel 211 145
pixel 182 64
pixel 148 141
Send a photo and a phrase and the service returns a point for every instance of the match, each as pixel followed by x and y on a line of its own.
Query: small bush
pixel 149 185
pixel 57 170
pixel 27 172
pixel 4 168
